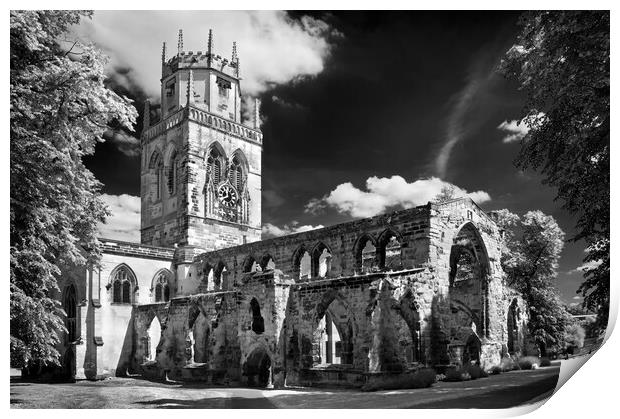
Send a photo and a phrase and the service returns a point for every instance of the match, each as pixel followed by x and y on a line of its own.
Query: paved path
pixel 499 391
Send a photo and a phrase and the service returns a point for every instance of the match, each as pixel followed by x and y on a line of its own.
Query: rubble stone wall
pixel 261 324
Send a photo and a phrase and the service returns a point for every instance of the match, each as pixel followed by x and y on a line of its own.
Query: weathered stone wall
pixel 388 319
pixel 105 328
pixel 343 242
pixel 180 217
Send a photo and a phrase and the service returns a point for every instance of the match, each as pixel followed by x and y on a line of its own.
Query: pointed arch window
pixel 123 286
pixel 390 251
pixel 214 165
pixel 236 173
pixel 162 287
pixel 157 169
pixel 321 261
pixel 258 323
pixel 172 173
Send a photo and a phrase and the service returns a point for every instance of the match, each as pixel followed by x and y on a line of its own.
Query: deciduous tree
pixel 530 255
pixel 60 108
pixel 561 60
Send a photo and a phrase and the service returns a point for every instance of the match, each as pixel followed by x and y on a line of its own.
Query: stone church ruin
pixel 203 298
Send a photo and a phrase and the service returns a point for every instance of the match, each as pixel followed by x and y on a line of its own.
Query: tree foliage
pixel 575 336
pixel 447 193
pixel 59 110
pixel 530 256
pixel 561 61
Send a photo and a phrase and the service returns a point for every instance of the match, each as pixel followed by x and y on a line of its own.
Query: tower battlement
pixel 200 60
pixel 204 79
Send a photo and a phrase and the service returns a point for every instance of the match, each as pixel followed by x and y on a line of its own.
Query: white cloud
pixel 124 221
pixel 576 297
pixel 125 143
pixel 384 193
pixel 587 266
pixel 458 125
pixel 272 47
pixel 515 130
pixel 455 128
pixel 271 230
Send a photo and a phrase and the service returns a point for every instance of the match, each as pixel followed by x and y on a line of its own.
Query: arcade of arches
pixel 392 293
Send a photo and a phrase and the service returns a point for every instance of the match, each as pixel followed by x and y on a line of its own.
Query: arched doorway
pixel 467 280
pixel 154 334
pixel 257 368
pixel 471 351
pixel 332 335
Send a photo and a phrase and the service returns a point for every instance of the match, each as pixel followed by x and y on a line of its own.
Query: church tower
pixel 201 164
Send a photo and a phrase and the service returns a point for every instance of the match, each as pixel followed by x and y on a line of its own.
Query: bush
pixel 528 362
pixel 475 372
pixel 545 362
pixel 496 370
pixel 507 364
pixel 422 378
pixel 457 374
pixel 464 373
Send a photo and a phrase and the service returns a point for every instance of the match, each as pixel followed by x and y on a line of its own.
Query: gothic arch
pixel 156 182
pixel 156 159
pixel 456 306
pixel 469 231
pixel 121 275
pixel 359 246
pixel 468 279
pixel 161 285
pixel 316 254
pixel 215 145
pixel 258 321
pixel 333 307
pixel 257 366
pixel 406 322
pixel 192 314
pixel 326 299
pixel 296 261
pixel 152 338
pixel 248 264
pixel 171 166
pixel 242 159
pixel 219 270
pixel 264 262
pixel 385 260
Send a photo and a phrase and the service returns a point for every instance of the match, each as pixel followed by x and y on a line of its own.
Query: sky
pixel 362 112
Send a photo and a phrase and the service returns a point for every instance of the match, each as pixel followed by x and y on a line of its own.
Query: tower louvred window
pixel 236 174
pixel 214 163
pixel 223 83
pixel 217 172
pixel 224 86
pixel 172 174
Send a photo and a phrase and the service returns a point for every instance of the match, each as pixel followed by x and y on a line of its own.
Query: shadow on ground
pixel 210 403
pixel 500 391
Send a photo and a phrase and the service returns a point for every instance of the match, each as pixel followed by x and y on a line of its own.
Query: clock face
pixel 227 195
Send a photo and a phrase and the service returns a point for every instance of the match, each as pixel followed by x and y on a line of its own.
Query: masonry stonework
pixel 389 320
pixel 204 298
